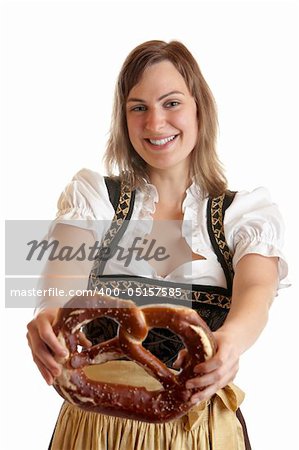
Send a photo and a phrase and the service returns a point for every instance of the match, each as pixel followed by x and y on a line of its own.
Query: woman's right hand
pixel 71 275
pixel 45 345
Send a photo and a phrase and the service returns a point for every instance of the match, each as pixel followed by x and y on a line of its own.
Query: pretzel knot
pixel 162 405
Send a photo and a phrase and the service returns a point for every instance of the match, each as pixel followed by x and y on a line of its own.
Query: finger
pixel 208 391
pixel 48 360
pixel 44 371
pixel 83 340
pixel 180 359
pixel 209 365
pixel 203 395
pixel 48 336
pixel 203 380
pixel 218 378
pixel 41 353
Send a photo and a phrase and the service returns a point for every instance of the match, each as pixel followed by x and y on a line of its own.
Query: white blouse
pixel 252 224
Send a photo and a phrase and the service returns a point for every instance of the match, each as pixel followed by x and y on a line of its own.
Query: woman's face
pixel 162 117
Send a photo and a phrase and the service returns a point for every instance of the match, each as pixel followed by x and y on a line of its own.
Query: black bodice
pixel 211 302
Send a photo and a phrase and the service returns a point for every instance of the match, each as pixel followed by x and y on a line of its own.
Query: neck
pixel 171 185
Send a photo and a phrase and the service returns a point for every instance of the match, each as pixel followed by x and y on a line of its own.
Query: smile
pixel 162 141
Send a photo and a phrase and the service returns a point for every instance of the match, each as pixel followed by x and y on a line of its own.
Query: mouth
pixel 159 143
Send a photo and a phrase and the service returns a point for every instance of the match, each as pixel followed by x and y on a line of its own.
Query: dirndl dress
pixel 216 424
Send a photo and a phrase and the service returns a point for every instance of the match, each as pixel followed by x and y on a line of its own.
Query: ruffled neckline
pixel 151 197
pixel 148 197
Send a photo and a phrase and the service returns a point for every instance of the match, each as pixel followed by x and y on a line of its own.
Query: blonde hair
pixel 206 169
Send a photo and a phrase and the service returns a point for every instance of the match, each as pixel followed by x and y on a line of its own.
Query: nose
pixel 155 120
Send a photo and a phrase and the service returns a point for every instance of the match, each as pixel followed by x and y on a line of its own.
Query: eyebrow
pixel 133 99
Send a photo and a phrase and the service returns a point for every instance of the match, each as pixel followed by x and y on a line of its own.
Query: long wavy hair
pixel 120 156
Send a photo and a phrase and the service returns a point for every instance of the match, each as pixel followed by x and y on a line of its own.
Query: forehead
pixel 158 79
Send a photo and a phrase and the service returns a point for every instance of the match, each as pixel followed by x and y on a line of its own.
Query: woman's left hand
pixel 216 372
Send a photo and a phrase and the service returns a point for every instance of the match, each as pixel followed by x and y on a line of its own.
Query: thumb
pixel 180 359
pixel 83 340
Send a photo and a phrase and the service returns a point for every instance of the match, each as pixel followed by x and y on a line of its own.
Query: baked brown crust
pixel 172 400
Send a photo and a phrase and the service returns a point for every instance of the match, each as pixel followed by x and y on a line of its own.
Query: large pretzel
pixel 171 401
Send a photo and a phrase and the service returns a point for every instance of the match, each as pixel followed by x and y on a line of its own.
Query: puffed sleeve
pixel 253 224
pixel 85 203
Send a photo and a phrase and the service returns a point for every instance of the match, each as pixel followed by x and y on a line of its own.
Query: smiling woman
pixel 162 92
pixel 224 257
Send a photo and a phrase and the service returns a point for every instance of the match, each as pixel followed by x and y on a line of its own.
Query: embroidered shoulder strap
pixel 215 217
pixel 113 188
pixel 122 199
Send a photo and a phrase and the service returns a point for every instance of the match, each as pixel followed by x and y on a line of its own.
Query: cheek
pixel 129 125
pixel 189 125
pixel 195 129
pixel 134 127
pixel 193 123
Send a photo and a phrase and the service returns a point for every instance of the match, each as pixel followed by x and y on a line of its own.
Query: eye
pixel 138 108
pixel 172 104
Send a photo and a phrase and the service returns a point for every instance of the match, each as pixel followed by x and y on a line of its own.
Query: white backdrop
pixel 60 60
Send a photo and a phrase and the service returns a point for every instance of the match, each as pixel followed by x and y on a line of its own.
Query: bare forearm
pixel 63 277
pixel 254 288
pixel 248 315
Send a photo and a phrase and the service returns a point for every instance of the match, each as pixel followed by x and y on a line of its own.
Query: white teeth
pixel 161 141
